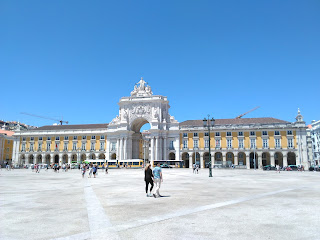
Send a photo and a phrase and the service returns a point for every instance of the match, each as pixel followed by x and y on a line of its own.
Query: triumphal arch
pixel 124 136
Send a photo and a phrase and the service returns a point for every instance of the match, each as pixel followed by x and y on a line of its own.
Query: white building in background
pixel 315 138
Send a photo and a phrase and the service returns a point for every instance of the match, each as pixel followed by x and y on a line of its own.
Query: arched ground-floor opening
pixel 30 159
pixel 65 158
pixel 254 160
pixel 266 159
pixel 242 159
pixel 102 156
pixel 113 156
pixel 74 158
pixel 48 158
pixel 292 158
pixel 206 159
pixel 56 159
pixel 278 159
pixel 83 157
pixel 92 156
pixel 196 158
pixel 218 158
pixel 230 159
pixel 23 159
pixel 172 156
pixel 39 159
pixel 185 158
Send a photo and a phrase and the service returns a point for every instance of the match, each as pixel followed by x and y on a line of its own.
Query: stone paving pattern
pixel 233 204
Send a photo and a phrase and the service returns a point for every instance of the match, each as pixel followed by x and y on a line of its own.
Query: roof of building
pixel 71 127
pixel 236 121
pixel 8 133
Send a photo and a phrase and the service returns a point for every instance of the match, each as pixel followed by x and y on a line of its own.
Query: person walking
pixel 148 178
pixel 90 170
pixel 278 168
pixel 94 170
pixel 83 170
pixel 157 176
pixel 106 168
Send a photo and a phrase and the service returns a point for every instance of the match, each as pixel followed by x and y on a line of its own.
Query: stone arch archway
pixel 30 159
pixel 102 156
pixel 291 158
pixel 242 159
pixel 113 156
pixel 278 159
pixel 56 159
pixel 218 158
pixel 206 159
pixel 92 156
pixel 254 161
pixel 83 157
pixel 39 158
pixel 65 158
pixel 229 158
pixel 48 158
pixel 185 158
pixel 23 159
pixel 172 156
pixel 266 159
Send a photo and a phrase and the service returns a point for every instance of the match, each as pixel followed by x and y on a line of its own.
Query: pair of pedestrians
pixel 151 177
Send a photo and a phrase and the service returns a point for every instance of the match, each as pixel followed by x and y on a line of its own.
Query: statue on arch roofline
pixel 142 90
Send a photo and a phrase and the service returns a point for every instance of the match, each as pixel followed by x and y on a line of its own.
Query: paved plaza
pixel 233 204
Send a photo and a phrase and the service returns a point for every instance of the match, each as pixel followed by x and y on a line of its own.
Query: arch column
pixel 272 161
pixel 260 160
pixel 157 148
pixel 190 160
pixel 201 161
pixel 125 148
pixel 69 158
pixel 165 154
pixel 224 160
pixel 152 151
pixel 248 160
pixel 108 150
pixel 118 148
pixel 235 156
pixel 285 160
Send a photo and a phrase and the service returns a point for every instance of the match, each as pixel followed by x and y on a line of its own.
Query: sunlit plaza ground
pixel 233 204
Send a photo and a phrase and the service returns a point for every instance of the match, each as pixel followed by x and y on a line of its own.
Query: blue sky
pixel 76 59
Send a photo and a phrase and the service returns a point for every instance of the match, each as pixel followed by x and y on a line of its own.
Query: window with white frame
pixel 40 138
pixel 93 137
pixel 84 137
pixel 92 146
pixel 24 139
pixel 240 143
pixel 101 145
pixel 185 134
pixel 57 138
pixel 74 146
pixel 195 134
pixel 265 143
pixel 39 147
pixel 171 145
pixel 277 143
pixel 264 133
pixel 206 134
pixel 252 143
pixel 206 143
pixel 289 132
pixel 185 143
pixel 57 147
pixel 75 137
pixel 65 147
pixel 290 143
pixel 32 139
pixel 48 147
pixel 277 133
pixel 217 134
pixel 83 146
pixel 102 137
pixel 48 138
pixel 240 133
pixel 228 134
pixel 195 143
pixel 229 143
pixel 31 147
pixel 113 146
pixel 218 143
pixel 23 147
pixel 252 133
pixel 66 137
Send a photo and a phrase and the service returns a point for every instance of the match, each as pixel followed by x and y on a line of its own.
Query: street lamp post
pixel 209 123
